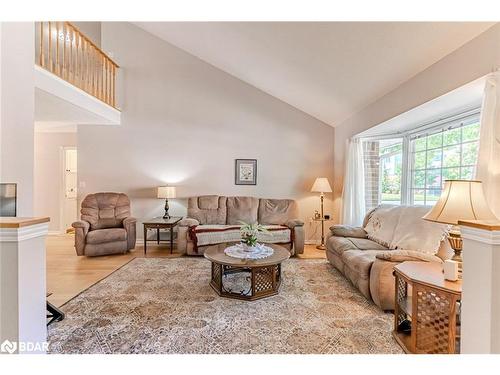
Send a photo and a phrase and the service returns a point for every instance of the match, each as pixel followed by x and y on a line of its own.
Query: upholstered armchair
pixel 106 226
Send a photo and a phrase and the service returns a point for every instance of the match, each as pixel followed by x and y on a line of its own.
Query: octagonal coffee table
pixel 262 276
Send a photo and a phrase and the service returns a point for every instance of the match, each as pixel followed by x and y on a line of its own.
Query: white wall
pixel 184 122
pixel 473 60
pixel 17 111
pixel 48 175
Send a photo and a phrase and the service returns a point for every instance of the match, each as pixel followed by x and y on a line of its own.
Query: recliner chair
pixel 106 226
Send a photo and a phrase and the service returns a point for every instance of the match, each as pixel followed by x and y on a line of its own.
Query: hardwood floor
pixel 68 274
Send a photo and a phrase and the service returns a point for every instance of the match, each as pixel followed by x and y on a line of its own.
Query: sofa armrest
pixel 298 239
pixel 348 231
pixel 129 223
pixel 382 286
pixel 407 255
pixel 184 243
pixel 294 223
pixel 188 222
pixel 81 229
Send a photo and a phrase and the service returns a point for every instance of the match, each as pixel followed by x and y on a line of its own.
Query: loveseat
pixel 213 219
pixel 389 235
pixel 106 226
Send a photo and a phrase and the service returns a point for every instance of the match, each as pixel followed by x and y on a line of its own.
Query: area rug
pixel 160 305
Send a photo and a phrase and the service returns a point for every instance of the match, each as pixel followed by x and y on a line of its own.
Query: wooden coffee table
pixel 264 275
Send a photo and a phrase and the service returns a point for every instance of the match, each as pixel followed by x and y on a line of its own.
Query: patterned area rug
pixel 166 306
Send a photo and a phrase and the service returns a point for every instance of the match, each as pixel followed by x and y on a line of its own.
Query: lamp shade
pixel 166 192
pixel 321 185
pixel 460 200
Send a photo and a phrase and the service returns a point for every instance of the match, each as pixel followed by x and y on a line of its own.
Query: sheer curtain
pixel 488 163
pixel 353 194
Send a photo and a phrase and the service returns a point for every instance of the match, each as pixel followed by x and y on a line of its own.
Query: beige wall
pixel 184 122
pixel 91 30
pixel 473 60
pixel 48 175
pixel 17 110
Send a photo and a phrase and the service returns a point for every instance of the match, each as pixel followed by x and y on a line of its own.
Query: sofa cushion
pixel 277 211
pixel 208 209
pixel 106 235
pixel 205 235
pixel 407 255
pixel 348 231
pixel 242 209
pixel 341 244
pixel 208 202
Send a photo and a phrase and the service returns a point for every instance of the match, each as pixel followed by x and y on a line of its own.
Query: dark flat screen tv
pixel 8 199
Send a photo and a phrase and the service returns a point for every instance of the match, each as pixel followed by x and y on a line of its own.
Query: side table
pixel 160 223
pixel 427 309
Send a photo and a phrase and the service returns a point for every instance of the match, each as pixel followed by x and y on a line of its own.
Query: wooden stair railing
pixel 66 52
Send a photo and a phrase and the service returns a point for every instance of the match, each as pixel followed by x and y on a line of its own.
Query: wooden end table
pixel 427 309
pixel 264 274
pixel 160 223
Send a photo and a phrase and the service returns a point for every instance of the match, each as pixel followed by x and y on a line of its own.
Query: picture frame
pixel 245 172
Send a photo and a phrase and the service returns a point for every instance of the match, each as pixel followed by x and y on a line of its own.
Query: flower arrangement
pixel 249 233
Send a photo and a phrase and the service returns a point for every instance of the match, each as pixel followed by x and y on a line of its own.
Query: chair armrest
pixel 348 231
pixel 188 222
pixel 81 229
pixel 82 224
pixel 407 255
pixel 294 223
pixel 129 223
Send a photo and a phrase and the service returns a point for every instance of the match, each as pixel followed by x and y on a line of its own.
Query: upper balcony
pixel 75 78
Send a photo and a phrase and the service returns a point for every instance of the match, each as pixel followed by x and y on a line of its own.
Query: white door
pixel 70 205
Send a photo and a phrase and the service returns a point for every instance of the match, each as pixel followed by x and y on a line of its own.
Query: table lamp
pixel 460 200
pixel 322 186
pixel 165 192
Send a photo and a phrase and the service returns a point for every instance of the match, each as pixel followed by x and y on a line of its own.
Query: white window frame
pixel 449 122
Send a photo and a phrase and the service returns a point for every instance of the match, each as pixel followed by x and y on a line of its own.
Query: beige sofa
pixel 219 213
pixel 397 234
pixel 106 226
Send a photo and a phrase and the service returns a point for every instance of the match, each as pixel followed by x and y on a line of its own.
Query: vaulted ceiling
pixel 329 70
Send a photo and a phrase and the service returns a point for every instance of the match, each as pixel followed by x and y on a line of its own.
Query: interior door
pixel 70 206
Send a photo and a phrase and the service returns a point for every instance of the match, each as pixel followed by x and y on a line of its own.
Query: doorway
pixel 69 206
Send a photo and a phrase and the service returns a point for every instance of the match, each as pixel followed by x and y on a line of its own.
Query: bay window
pixel 410 168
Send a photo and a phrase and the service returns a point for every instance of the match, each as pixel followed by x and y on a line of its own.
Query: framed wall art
pixel 245 172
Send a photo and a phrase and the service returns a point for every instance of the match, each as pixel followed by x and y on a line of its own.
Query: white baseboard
pixel 54 233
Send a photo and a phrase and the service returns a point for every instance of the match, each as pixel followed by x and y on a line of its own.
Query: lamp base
pixel 321 247
pixel 456 242
pixel 166 216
